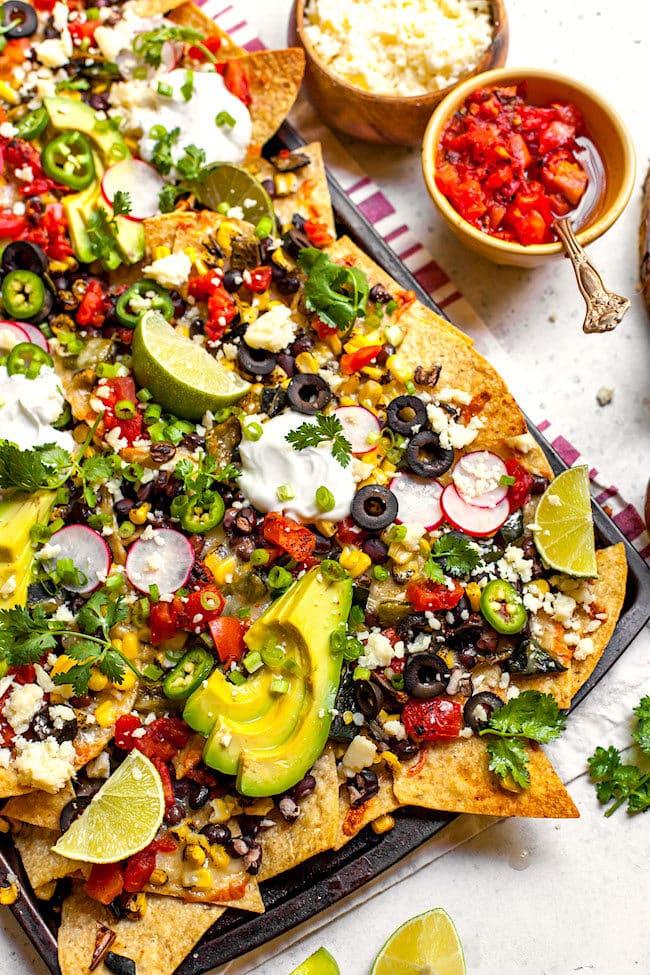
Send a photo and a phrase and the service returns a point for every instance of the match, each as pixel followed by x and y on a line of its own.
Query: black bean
pixel 182 788
pixel 123 506
pixel 304 788
pixel 304 343
pixel 379 293
pixel 539 484
pixel 233 280
pixel 175 814
pixel 362 787
pixel 99 101
pixel 216 833
pixel 289 808
pixel 269 186
pixel 288 285
pixel 162 452
pixel 199 795
pixel 404 748
pixel 244 548
pixel 250 825
pixel 375 548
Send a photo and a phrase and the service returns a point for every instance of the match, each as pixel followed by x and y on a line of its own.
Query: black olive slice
pixel 26 16
pixel 273 400
pixel 426 675
pixel 259 362
pixel 45 309
pixel 374 507
pixel 119 964
pixel 426 457
pixel 488 703
pixel 368 697
pixel 22 255
pixel 308 393
pixel 294 240
pixel 405 413
pixel 290 162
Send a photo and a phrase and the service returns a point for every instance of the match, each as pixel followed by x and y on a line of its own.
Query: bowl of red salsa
pixel 509 150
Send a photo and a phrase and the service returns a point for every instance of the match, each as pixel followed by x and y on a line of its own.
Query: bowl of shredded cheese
pixel 376 69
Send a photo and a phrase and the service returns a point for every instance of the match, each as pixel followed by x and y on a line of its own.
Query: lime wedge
pixel 181 375
pixel 123 817
pixel 320 963
pixel 425 945
pixel 565 536
pixel 227 186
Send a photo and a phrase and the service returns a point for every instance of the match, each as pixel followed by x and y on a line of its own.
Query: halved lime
pixel 181 375
pixel 425 945
pixel 565 533
pixel 228 186
pixel 123 817
pixel 320 963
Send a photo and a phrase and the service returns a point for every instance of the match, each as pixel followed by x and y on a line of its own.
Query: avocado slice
pixel 18 514
pixel 68 113
pixel 271 740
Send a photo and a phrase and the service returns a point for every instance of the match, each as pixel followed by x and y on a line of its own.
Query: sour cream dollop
pixel 28 407
pixel 271 463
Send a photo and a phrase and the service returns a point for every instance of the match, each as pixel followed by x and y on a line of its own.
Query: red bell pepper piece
pixel 125 725
pixel 260 279
pixel 295 539
pixel 236 80
pixel 11 225
pixel 213 45
pixel 354 361
pixel 163 622
pixel 94 306
pixel 430 596
pixel 429 720
pixel 228 635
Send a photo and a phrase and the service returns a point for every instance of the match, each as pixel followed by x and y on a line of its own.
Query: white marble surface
pixel 538 897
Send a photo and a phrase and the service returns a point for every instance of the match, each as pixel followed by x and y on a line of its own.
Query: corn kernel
pixel 373 372
pixel 131 645
pixel 98 681
pixel 333 342
pixel 219 856
pixel 57 267
pixel 383 824
pixel 225 234
pixel 248 314
pixel 447 656
pixel 473 593
pixel 9 894
pixel 139 515
pixel 136 906
pixel 382 716
pixel 325 527
pixel 221 569
pixel 348 717
pixel 161 251
pixel 306 362
pixel 204 880
pixel 7 94
pixel 392 760
pixel 399 369
pixel 354 561
pixel 195 854
pixel 197 261
pixel 106 715
pixel 285 183
pixel 220 812
pixel 279 257
pixel 370 393
pixel 159 877
pixel 234 807
pixel 348 401
pixel 541 585
pixel 424 547
pixel 127 681
pixel 350 386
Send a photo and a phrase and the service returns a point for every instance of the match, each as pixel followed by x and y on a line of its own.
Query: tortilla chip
pixel 46 892
pixel 189 15
pixel 155 8
pixel 230 888
pixel 40 863
pixel 455 778
pixel 312 196
pixel 287 844
pixel 352 821
pixel 189 228
pixel 9 785
pixel 39 808
pixel 157 943
pixel 274 79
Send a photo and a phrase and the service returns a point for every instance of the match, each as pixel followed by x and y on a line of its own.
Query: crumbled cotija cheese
pixel 399 47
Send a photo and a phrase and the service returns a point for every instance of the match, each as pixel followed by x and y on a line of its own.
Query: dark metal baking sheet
pixel 301 893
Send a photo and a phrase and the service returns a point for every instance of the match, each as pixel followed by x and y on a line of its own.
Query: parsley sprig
pixel 532 716
pixel 458 556
pixel 338 294
pixel 624 782
pixel 321 430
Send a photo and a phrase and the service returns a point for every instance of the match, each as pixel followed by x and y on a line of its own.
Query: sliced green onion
pixel 325 500
pixel 152 413
pixel 106 370
pixel 353 649
pixel 253 661
pixel 338 638
pixel 164 89
pixel 144 395
pixel 391 307
pixel 223 207
pixel 410 387
pixel 264 228
pixel 114 583
pixel 398 682
pixel 225 118
pixel 151 672
pixel 279 578
pixel 273 656
pixel 126 529
pixel 291 666
pixel 124 409
pixel 397 533
pixel 332 570
pixel 154 593
pixel 260 556
pixel 253 431
pixel 279 685
pixel 285 492
pixel 361 673
pixel 379 573
pixel 507 481
pixel 187 88
pixel 236 677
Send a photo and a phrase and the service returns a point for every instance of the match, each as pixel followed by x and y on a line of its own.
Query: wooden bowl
pixel 386 119
pixel 604 127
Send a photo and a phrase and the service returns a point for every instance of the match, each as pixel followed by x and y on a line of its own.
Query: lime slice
pixel 123 817
pixel 426 945
pixel 565 537
pixel 227 186
pixel 181 375
pixel 320 963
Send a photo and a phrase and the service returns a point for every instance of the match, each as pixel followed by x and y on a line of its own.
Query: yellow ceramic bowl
pixel 604 127
pixel 386 119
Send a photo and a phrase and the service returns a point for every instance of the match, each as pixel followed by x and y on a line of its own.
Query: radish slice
pixel 88 552
pixel 418 501
pixel 140 181
pixel 477 476
pixel 165 559
pixel 36 336
pixel 11 334
pixel 359 424
pixel 171 54
pixel 478 522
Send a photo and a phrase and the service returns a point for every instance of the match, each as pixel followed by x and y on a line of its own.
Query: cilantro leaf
pixel 531 715
pixel 161 154
pixel 78 677
pixel 90 617
pixel 189 166
pixel 641 733
pixel 459 554
pixel 639 801
pixel 149 43
pixel 321 430
pixel 83 650
pixel 31 470
pixel 433 571
pixel 338 294
pixel 112 666
pixel 101 234
pixel 509 760
pixel 121 203
pixel 24 637
pixel 619 782
pixel 603 763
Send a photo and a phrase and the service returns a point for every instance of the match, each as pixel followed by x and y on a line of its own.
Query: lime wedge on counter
pixel 227 186
pixel 181 375
pixel 123 817
pixel 565 536
pixel 425 945
pixel 320 963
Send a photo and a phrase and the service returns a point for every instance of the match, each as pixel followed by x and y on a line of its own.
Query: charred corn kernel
pixel 195 854
pixel 383 824
pixel 127 682
pixel 334 344
pixel 139 515
pixel 197 261
pixel 399 369
pixel 221 569
pixel 219 812
pixel 4 826
pixel 225 234
pixel 326 528
pixel 9 894
pixel 348 717
pixel 374 372
pixel 391 759
pixel 447 656
pixel 62 665
pixel 541 585
pixel 306 362
pixel 203 880
pixel 159 877
pixel 131 645
pixel 136 905
pixel 161 251
pixel 382 716
pixel 106 715
pixel 354 561
pixel 261 807
pixel 219 856
pixel 285 183
pixel 80 433
pixel 473 593
pixel 98 681
pixel 399 554
pixel 7 94
pixel 370 393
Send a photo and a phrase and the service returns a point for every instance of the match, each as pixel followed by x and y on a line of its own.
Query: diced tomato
pixel 260 279
pixel 166 779
pixel 44 4
pixel 554 136
pixel 236 81
pixel 531 228
pixel 94 306
pixel 206 603
pixel 566 178
pixel 105 883
pixel 173 730
pixel 213 45
pixel 125 725
pixel 81 31
pixel 295 539
pixel 228 635
pixel 519 492
pixel 432 719
pixel 324 330
pixel 348 532
pixel 25 674
pixel 354 361
pixel 11 225
pixel 122 389
pixel 139 868
pixel 163 622
pixel 430 596
pixel 165 843
pixel 318 233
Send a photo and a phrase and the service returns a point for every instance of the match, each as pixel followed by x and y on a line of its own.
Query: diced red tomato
pixel 166 779
pixel 432 719
pixel 318 233
pixel 139 868
pixel 429 596
pixel 228 635
pixel 519 492
pixel 213 45
pixel 125 725
pixel 236 81
pixel 260 279
pixel 556 134
pixel 163 622
pixel 295 539
pixel 122 389
pixel 105 883
pixel 81 31
pixel 11 225
pixel 348 533
pixel 206 603
pixel 354 361
pixel 94 306
pixel 163 738
pixel 324 330
pixel 566 178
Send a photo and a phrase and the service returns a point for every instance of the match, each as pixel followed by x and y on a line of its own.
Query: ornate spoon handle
pixel 604 308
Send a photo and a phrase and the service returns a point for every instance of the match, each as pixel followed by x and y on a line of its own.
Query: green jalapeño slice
pixel 503 608
pixel 68 159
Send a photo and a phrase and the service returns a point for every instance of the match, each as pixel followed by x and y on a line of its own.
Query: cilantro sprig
pixel 148 45
pixel 321 430
pixel 622 782
pixel 338 295
pixel 32 470
pixel 532 716
pixel 121 203
pixel 458 556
